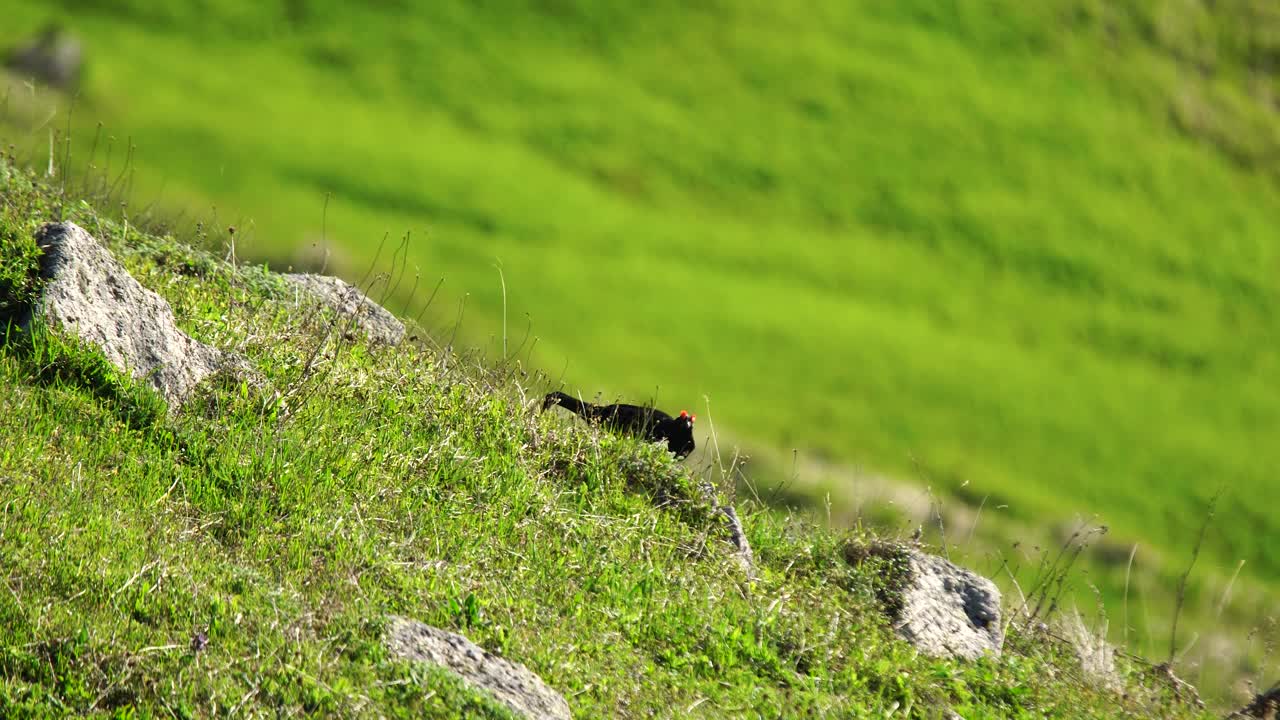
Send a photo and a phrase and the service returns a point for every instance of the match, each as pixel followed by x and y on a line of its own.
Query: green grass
pixel 287 517
pixel 1023 253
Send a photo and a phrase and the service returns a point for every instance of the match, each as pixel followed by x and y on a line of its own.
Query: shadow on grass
pixel 52 359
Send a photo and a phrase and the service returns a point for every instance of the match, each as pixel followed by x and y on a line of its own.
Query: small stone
pixel 939 607
pixel 510 683
pixel 378 324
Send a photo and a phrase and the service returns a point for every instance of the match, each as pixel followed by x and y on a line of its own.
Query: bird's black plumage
pixel 647 422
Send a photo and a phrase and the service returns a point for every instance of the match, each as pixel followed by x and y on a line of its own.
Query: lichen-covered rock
pixel 742 548
pixel 939 607
pixel 90 295
pixel 511 684
pixel 347 300
pixel 948 610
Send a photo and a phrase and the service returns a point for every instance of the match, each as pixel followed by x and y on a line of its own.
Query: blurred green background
pixel 1017 260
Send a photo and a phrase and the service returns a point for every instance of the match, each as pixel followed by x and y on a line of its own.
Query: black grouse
pixel 646 422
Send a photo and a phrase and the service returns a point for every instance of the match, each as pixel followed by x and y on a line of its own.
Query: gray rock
pixel 379 325
pixel 511 684
pixel 939 607
pixel 742 548
pixel 949 611
pixel 90 295
pixel 54 56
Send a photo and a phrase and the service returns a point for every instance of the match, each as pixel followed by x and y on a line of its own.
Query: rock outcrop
pixel 91 296
pixel 511 684
pixel 939 607
pixel 347 300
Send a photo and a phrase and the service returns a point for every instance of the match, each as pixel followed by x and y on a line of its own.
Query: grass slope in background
pixel 238 558
pixel 1022 252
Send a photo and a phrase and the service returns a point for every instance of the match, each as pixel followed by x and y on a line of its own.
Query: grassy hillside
pixel 281 520
pixel 1022 253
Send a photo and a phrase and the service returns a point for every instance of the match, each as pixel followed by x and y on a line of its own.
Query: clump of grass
pixel 19 271
pixel 21 207
pixel 888 562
